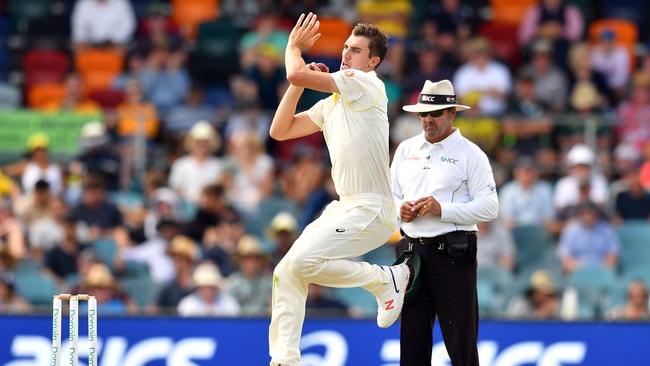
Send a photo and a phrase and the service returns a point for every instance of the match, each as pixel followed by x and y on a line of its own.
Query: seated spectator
pixel 220 242
pixel 196 170
pixel 111 300
pixel 588 241
pixel 164 205
pixel 633 203
pixel 62 260
pixel 75 98
pixel 556 20
pixel 321 303
pixel 455 22
pixel 481 129
pixel 210 211
pixel 12 234
pixel 163 78
pixel 39 204
pixel 540 301
pixel 153 252
pixel 115 25
pixel 612 60
pixel 282 231
pixel 484 79
pixel 429 67
pixel 10 301
pixel 636 305
pixel 527 127
pixel 252 284
pixel 580 160
pixel 496 246
pixel 135 114
pixel 40 167
pixel 248 114
pixel 208 298
pixel 269 76
pixel 551 85
pixel 96 216
pixel 251 178
pixel 633 114
pixel 267 32
pixel 581 71
pixel 98 156
pixel 183 253
pixel 182 117
pixel 526 200
pixel 158 31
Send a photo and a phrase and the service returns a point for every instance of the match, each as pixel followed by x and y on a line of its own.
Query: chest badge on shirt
pixel 449 160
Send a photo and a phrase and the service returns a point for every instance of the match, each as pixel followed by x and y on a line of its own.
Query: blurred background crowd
pixel 174 200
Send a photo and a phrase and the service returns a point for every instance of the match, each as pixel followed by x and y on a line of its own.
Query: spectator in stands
pixel 99 282
pixel 540 301
pixel 96 216
pixel 8 189
pixel 391 17
pixel 196 170
pixel 612 60
pixel 581 71
pixel 555 20
pixel 251 179
pixel 248 114
pixel 454 22
pixel 10 301
pixel 429 67
pixel 633 114
pixel 40 167
pixel 580 160
pixel 269 76
pixel 153 252
pixel 135 114
pixel 74 99
pixel 210 211
pixel 496 246
pixel 483 78
pixel 252 284
pixel 282 231
pixel 248 12
pixel 320 302
pixel 158 32
pixel 12 234
pixel 526 200
pixel 636 305
pixel 268 33
pixel 182 117
pixel 98 156
pixel 39 204
pixel 164 204
pixel 62 260
pixel 585 119
pixel 588 241
pixel 551 85
pixel 220 242
pixel 183 252
pixel 625 158
pixel 115 26
pixel 163 77
pixel 208 298
pixel 633 203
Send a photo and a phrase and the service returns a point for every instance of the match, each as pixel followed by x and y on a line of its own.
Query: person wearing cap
pixel 539 301
pixel 39 166
pixel 355 125
pixel 588 241
pixel 183 253
pixel 208 297
pixel 98 155
pixel 580 160
pixel 191 173
pixel 111 299
pixel 550 82
pixel 282 231
pixel 613 60
pixel 251 285
pixel 443 186
pixel 526 200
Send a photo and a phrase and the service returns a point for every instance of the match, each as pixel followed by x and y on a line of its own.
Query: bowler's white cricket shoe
pixel 391 300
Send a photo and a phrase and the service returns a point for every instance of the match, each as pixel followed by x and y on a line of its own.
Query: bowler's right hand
pixel 406 212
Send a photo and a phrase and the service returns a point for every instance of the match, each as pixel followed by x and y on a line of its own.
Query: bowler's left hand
pixel 427 206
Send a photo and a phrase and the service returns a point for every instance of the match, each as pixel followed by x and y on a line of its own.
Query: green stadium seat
pixel 635 245
pixel 534 245
pixel 36 288
pixel 106 249
pixel 142 291
pixel 595 286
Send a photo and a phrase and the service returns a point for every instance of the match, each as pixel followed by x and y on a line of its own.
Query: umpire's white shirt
pixel 355 126
pixel 456 172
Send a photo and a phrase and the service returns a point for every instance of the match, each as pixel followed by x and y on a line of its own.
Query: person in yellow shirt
pixel 135 111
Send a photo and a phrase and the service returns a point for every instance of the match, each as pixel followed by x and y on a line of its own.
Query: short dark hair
pixel 378 40
pixel 41 185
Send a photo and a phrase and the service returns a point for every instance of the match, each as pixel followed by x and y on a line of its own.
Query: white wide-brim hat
pixel 434 97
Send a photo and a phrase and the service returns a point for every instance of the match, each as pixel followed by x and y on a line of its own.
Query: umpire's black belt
pixel 439 242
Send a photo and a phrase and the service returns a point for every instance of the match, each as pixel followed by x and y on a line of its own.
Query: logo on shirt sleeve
pixel 349 73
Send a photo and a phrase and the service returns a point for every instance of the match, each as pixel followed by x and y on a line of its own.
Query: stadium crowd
pixel 178 202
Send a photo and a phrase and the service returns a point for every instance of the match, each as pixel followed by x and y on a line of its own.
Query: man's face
pixel 438 124
pixel 356 54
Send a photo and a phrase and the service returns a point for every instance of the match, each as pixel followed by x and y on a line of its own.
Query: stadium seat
pixel 595 285
pixel 188 14
pixel 358 300
pixel 486 297
pixel 45 66
pixel 42 95
pixel 36 287
pixel 267 209
pixel 107 98
pixel 635 245
pixel 383 256
pixel 503 37
pixel 533 243
pixel 106 249
pixel 334 32
pixel 218 38
pixel 510 11
pixel 141 290
pixel 99 66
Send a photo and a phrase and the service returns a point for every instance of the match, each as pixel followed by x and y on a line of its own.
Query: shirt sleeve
pixel 316 113
pixel 484 205
pixel 398 196
pixel 357 88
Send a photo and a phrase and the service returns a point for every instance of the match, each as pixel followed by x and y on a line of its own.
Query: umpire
pixel 443 186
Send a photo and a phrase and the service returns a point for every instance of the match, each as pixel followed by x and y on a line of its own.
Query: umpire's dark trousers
pixel 448 291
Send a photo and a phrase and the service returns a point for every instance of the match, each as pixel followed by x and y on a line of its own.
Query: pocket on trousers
pixel 457 244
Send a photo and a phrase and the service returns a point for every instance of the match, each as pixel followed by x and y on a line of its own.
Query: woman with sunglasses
pixel 443 186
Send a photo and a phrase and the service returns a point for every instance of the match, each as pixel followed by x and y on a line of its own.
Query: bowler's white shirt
pixel 355 126
pixel 455 172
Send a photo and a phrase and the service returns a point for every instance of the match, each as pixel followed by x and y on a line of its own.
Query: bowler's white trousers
pixel 347 228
